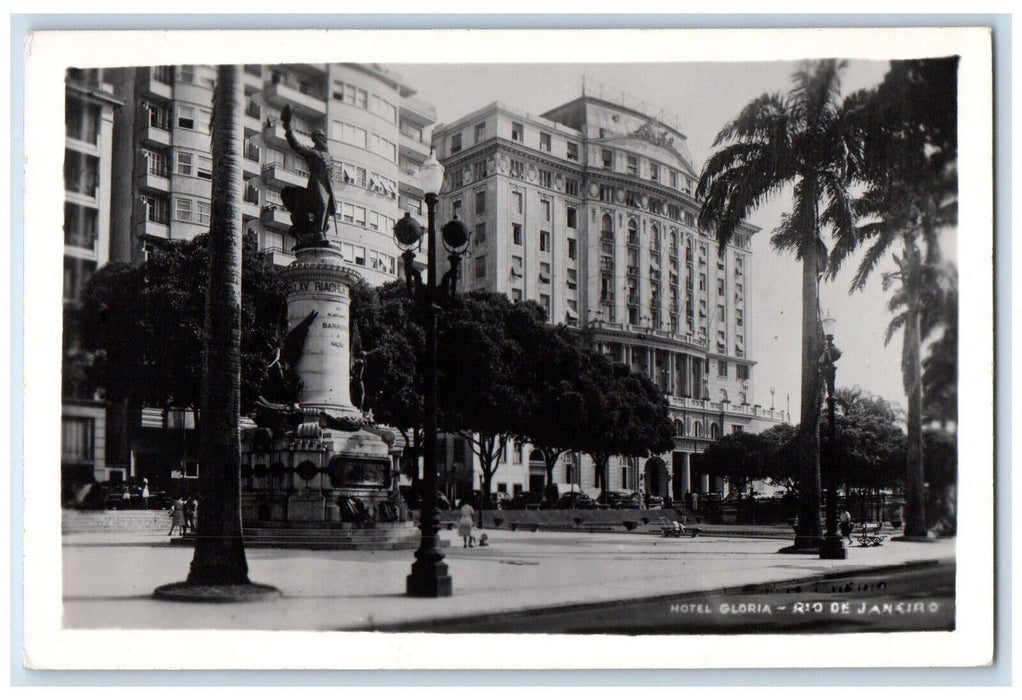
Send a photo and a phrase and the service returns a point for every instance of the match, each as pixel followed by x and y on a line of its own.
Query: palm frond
pixel 872 257
pixel 896 324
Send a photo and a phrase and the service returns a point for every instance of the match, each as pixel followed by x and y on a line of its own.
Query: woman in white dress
pixel 465 524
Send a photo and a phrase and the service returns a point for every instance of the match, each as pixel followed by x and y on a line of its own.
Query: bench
pixel 869 535
pixel 672 528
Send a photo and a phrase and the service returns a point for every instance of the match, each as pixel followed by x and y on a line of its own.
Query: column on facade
pixel 684 476
pixel 704 483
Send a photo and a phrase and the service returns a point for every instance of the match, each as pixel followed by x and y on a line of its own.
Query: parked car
pixel 577 500
pixel 654 501
pixel 526 500
pixel 622 499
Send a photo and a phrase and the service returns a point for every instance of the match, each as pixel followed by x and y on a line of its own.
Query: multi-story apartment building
pixel 90 106
pixel 378 135
pixel 590 210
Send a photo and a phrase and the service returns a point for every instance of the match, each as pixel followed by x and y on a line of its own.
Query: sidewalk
pixel 108 578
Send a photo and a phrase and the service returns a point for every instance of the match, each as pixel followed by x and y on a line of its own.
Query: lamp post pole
pixel 429 577
pixel 832 547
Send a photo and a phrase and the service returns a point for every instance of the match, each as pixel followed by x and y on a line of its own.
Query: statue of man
pixel 313 207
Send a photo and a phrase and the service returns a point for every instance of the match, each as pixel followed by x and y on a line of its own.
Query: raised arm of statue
pixel 285 118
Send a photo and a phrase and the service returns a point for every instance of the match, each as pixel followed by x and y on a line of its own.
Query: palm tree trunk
pixel 809 533
pixel 219 557
pixel 911 371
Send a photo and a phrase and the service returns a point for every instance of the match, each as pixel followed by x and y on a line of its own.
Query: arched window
pixel 535 456
pixel 608 224
pixel 697 429
pixel 633 231
pixel 714 431
pixel 654 236
pixel 679 427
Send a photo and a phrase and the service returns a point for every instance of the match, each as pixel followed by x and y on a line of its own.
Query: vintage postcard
pixel 438 346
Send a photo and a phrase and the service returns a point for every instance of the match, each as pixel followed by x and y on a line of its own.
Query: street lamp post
pixel 832 547
pixel 429 577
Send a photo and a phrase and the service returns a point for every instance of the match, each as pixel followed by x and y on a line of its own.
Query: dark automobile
pixel 575 501
pixel 622 499
pixel 526 500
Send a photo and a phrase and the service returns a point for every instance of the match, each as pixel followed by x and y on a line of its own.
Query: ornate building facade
pixel 590 210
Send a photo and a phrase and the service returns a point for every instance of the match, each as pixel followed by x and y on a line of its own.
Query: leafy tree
pixel 940 366
pixel 908 128
pixel 481 374
pixel 802 139
pixel 739 458
pixel 869 441
pixel 143 324
pixel 782 462
pixel 625 414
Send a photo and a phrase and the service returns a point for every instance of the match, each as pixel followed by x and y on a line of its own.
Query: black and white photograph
pixel 622 341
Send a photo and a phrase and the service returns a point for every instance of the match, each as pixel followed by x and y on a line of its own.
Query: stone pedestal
pixel 300 477
pixel 319 281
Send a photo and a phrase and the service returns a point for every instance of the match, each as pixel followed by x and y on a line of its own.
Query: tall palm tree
pixel 219 557
pixel 908 128
pixel 801 139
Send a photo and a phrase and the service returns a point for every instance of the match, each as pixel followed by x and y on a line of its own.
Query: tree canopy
pixel 144 323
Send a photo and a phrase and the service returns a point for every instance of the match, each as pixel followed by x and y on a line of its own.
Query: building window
pixel 544 272
pixel 720 314
pixel 481 202
pixel 81 121
pixel 608 158
pixel 516 234
pixel 184 163
pixel 517 132
pixel 572 249
pixel 632 165
pixel 571 215
pixel 546 179
pixel 455 143
pixel 544 142
pixel 480 233
pixel 572 151
pixel 157 209
pixel 720 287
pixel 544 241
pixel 456 208
pixel 517 197
pixel 545 204
pixel 654 172
pixel 480 265
pixel 721 368
pixel 742 372
pixel 81 173
pixel 185 117
pixel 544 301
pixel 571 187
pixel 516 295
pixel 80 226
pixel 204 211
pixel 183 209
pixel 480 132
pixel 739 318
pixel 204 168
pixel 77 439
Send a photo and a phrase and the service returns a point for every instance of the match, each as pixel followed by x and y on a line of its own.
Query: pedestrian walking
pixel 465 524
pixel 845 525
pixel 145 493
pixel 177 517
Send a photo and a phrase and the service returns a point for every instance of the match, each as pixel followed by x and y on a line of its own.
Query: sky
pixel 703 97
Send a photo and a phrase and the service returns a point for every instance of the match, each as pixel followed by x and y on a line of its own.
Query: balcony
pixel 250 210
pixel 305 104
pixel 153 229
pixel 277 175
pixel 607 236
pixel 415 110
pixel 158 181
pixel 607 265
pixel 413 148
pixel 277 255
pixel 632 271
pixel 276 218
pixel 154 136
pixel 158 84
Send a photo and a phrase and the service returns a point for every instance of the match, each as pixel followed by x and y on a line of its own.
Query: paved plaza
pixel 108 578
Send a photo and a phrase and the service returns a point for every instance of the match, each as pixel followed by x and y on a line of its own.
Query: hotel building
pixel 589 209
